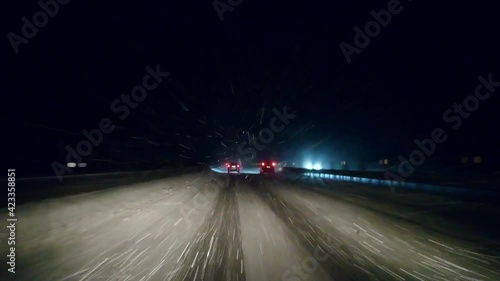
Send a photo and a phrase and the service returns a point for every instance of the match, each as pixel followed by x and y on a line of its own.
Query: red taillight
pixel 263 163
pixel 238 165
pixel 274 164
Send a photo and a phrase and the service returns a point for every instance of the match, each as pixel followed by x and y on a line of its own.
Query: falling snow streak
pixel 184 107
pixel 185 146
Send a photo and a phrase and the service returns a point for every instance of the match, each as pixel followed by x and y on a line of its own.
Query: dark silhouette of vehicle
pixel 233 167
pixel 267 167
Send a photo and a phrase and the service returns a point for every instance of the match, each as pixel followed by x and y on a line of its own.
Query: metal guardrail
pixel 417 184
pixel 34 189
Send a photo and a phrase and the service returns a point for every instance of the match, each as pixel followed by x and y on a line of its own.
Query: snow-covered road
pixel 210 226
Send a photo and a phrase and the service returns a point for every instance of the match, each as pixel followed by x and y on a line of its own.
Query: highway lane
pixel 211 226
pixel 467 218
pixel 391 246
pixel 271 250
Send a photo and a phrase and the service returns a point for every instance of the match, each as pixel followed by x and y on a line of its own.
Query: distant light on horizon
pixel 311 166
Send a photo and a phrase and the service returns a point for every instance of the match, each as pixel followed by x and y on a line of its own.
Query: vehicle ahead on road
pixel 233 167
pixel 267 167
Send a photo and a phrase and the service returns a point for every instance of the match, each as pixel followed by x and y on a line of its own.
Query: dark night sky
pixel 263 55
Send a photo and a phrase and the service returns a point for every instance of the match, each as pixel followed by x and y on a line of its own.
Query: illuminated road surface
pixel 209 226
